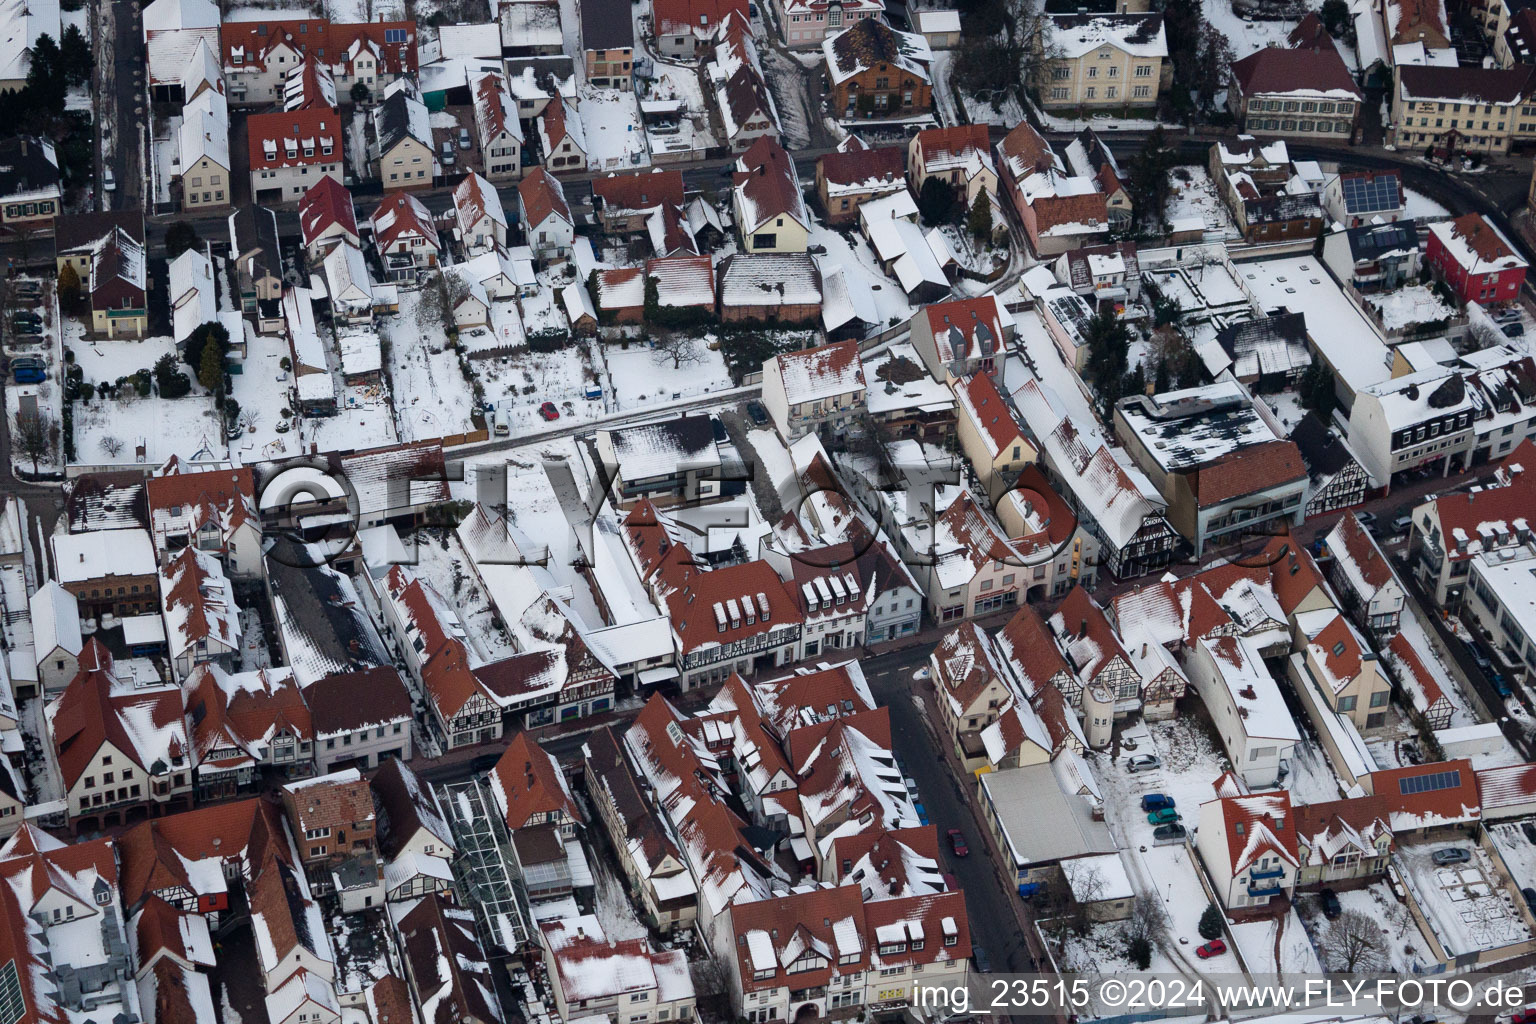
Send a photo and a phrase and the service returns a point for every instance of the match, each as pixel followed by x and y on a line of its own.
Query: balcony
pixel 1257 892
pixel 1271 873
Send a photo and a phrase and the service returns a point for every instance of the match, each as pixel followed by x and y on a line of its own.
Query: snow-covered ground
pixel 611 904
pixel 1259 944
pixel 47 396
pixel 1190 766
pixel 1405 948
pixel 1245 36
pixel 1192 194
pixel 432 396
pixel 614 132
pixel 185 426
pixel 1410 306
pixel 1516 849
pixel 1467 904
pixel 261 388
pixel 639 376
pixel 518 384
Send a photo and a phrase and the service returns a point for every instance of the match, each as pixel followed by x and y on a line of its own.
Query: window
pixel 394 35
pixel 1380 698
pixel 1347 703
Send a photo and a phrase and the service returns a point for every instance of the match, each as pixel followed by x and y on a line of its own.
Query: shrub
pixel 1211 922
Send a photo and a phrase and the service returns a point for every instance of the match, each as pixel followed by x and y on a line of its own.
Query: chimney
pixel 1082 627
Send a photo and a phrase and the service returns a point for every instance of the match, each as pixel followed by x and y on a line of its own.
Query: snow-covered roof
pixel 815 374
pixel 192 294
pixel 1262 710
pixel 869 42
pixel 55 620
pixel 1476 244
pixel 21 23
pixel 81 557
pixel 1138 35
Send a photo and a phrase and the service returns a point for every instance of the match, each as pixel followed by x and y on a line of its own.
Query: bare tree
pixel 113 446
pixel 680 348
pixel 1144 929
pixel 36 437
pixel 1354 943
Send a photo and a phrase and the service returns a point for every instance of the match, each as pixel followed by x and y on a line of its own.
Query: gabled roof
pixel 767 186
pixel 452 978
pixel 1359 558
pixel 327 202
pixel 1084 630
pixel 1476 244
pixel 698 17
pixel 1425 795
pixel 814 374
pixel 144 724
pixel 966 665
pixel 638 191
pixel 969 328
pixel 281 139
pixel 1027 646
pixel 402 215
pixel 1281 70
pixel 528 784
pixel 958 146
pixel 541 195
pixel 1257 826
pixel 404 807
pixel 345 702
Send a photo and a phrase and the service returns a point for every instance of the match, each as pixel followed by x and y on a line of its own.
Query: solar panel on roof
pixel 1375 193
pixel 1430 783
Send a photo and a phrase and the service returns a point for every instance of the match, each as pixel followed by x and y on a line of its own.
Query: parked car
pixel 1213 948
pixel 1166 816
pixel 758 414
pixel 1514 330
pixel 26 316
pixel 983 961
pixel 1530 898
pixel 28 370
pixel 1501 684
pixel 31 329
pixel 1156 801
pixel 1476 651
pixel 1525 1016
pixel 1332 908
pixel 548 411
pixel 447 159
pixel 108 182
pixel 1365 518
pixel 1401 523
pixel 1169 833
pixel 922 812
pixel 1451 855
pixel 957 843
pixel 464 142
pixel 1142 762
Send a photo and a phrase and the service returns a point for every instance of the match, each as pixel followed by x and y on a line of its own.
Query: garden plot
pixel 614 132
pixel 1259 943
pixel 107 360
pixel 364 421
pixel 518 384
pixel 261 388
pixel 1245 36
pixel 1192 194
pixel 640 377
pixel 1405 947
pixel 432 396
pixel 1467 905
pixel 108 430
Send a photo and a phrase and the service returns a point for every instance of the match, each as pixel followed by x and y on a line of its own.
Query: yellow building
pixel 1109 61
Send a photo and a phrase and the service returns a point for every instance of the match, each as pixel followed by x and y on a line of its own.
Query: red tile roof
pixel 699 17
pixel 641 190
pixel 1085 631
pixel 953 143
pixel 882 164
pixel 1248 470
pixel 1259 825
pixel 327 202
pixel 94 710
pixel 1029 647
pixel 957 321
pixel 769 183
pixel 311 129
pixel 529 784
pixel 542 195
pixel 1277 69
pixel 1454 797
pixel 399 216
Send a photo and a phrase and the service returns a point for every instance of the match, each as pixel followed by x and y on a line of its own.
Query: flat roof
pixel 1336 326
pixel 1196 426
pixel 1025 799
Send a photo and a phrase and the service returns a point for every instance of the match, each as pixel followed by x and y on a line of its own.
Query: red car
pixel 957 843
pixel 1526 1016
pixel 1213 948
pixel 548 411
